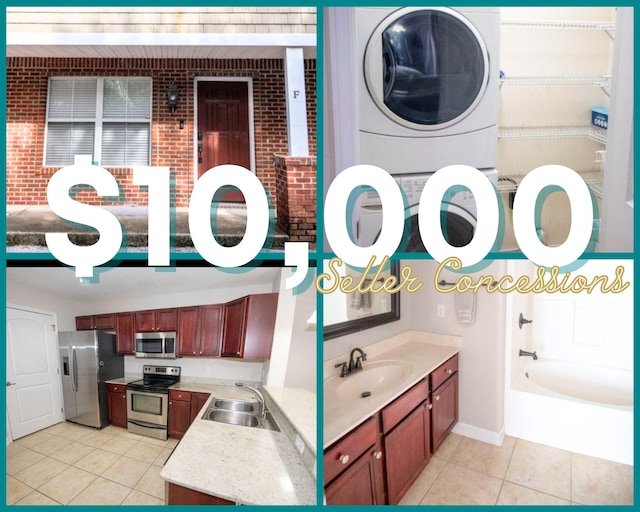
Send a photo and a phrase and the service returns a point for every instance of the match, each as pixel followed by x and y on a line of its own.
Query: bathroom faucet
pixel 525 353
pixel 260 397
pixel 356 365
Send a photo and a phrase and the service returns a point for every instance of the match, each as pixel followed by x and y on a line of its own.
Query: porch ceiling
pixel 161 46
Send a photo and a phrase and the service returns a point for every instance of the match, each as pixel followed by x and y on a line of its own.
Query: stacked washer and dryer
pixel 428 98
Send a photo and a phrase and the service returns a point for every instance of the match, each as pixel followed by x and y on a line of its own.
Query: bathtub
pixel 576 407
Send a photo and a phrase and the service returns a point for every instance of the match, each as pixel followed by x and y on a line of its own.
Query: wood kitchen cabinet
pixel 125 334
pixel 200 330
pixel 197 402
pixel 178 495
pixel 91 322
pixel 179 417
pixel 248 326
pixel 117 404
pixel 156 320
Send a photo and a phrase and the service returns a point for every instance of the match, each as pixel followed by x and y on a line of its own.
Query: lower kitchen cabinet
pixel 117 404
pixel 184 406
pixel 178 495
pixel 179 413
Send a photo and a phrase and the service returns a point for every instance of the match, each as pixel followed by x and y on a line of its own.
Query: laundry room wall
pixel 551 71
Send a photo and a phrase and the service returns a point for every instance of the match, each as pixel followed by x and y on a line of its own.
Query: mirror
pixel 354 312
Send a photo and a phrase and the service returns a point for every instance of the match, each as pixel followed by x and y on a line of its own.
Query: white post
pixel 296 102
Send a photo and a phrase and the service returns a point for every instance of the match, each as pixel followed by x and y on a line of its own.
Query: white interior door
pixel 33 382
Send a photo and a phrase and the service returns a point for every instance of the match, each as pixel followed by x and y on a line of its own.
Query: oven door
pixel 426 68
pixel 147 408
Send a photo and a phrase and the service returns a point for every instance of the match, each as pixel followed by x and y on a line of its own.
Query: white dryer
pixel 458 214
pixel 429 85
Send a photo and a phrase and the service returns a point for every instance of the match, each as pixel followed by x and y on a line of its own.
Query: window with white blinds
pixel 108 118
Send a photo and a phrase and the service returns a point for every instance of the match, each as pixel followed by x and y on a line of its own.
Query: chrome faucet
pixel 260 397
pixel 356 365
pixel 525 353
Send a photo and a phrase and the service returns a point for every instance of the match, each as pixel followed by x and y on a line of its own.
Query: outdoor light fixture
pixel 172 98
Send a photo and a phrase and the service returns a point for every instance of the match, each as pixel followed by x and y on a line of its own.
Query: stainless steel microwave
pixel 156 344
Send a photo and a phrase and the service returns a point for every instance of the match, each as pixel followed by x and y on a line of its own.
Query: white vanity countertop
pixel 423 352
pixel 249 466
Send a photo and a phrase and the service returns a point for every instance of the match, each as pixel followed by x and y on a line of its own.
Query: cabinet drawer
pixel 116 388
pixel 181 396
pixel 345 452
pixel 443 372
pixel 395 412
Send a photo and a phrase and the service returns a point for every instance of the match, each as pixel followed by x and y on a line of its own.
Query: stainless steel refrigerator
pixel 87 360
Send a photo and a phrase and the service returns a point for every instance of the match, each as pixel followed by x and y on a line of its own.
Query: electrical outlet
pixel 441 310
pixel 299 444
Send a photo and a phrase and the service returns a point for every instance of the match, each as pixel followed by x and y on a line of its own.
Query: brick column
pixel 296 197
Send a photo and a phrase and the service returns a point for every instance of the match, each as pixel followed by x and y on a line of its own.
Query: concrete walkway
pixel 27 225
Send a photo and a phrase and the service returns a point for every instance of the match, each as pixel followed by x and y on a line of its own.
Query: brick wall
pixel 296 185
pixel 171 146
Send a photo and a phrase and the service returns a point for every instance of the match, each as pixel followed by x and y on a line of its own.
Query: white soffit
pixel 158 46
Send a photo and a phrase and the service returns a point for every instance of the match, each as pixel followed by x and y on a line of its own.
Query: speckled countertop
pixel 248 466
pixel 423 352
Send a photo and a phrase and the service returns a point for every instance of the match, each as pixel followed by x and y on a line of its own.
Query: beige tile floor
pixel 468 472
pixel 74 465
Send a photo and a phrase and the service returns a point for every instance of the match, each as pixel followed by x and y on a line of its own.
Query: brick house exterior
pixel 173 136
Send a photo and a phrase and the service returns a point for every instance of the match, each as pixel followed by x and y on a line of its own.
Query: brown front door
pixel 223 127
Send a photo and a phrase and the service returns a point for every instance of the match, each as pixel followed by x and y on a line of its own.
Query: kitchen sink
pixel 234 405
pixel 235 412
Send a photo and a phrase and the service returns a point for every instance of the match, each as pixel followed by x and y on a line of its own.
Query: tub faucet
pixel 525 353
pixel 356 365
pixel 260 397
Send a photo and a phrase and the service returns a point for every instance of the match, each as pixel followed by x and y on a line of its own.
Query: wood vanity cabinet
pixel 248 326
pixel 156 320
pixel 200 330
pixel 444 398
pixel 90 322
pixel 125 334
pixel 178 495
pixel 354 467
pixel 117 404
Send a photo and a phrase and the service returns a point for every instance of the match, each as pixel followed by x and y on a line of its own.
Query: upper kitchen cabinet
pixel 125 333
pixel 156 320
pixel 90 322
pixel 200 330
pixel 248 326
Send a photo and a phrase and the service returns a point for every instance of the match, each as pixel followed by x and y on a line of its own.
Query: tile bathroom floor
pixel 67 464
pixel 468 472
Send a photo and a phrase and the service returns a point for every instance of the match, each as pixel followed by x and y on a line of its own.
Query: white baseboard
pixel 480 434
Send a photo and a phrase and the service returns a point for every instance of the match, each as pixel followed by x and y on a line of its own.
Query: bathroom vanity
pixel 376 460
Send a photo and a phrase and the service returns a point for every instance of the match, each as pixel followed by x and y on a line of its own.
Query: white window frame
pixel 252 143
pixel 98 121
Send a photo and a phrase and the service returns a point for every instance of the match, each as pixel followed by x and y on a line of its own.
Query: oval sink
pixel 234 405
pixel 233 418
pixel 375 378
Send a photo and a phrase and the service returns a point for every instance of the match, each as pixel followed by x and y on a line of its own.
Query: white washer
pixel 459 212
pixel 429 87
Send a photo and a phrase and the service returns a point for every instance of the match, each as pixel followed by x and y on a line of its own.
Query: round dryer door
pixel 426 68
pixel 458 227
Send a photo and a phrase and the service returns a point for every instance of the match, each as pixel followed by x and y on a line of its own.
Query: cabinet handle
pixel 170 403
pixel 449 371
pixel 430 406
pixel 344 459
pixel 437 397
pixel 377 454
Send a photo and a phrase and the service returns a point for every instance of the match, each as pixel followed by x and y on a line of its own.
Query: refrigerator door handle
pixel 74 380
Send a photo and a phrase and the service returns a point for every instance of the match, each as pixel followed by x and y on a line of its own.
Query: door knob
pixel 10 383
